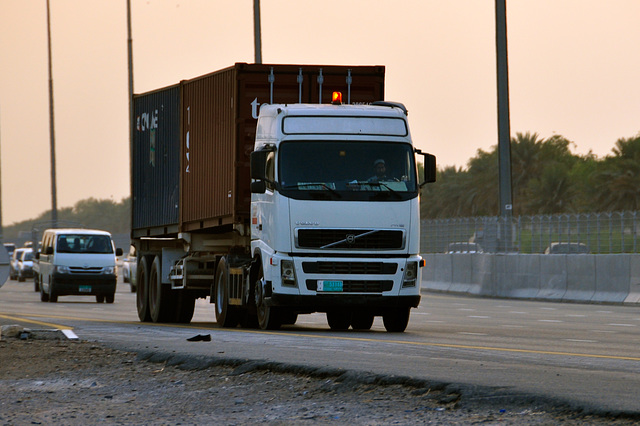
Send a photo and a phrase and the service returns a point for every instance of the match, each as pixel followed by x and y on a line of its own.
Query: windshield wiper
pixel 391 190
pixel 322 184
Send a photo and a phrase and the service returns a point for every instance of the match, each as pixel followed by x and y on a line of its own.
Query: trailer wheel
pixel 339 320
pixel 268 317
pixel 226 315
pixel 396 320
pixel 185 308
pixel 162 307
pixel 142 294
pixel 361 321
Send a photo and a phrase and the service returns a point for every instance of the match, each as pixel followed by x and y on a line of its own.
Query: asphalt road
pixel 586 355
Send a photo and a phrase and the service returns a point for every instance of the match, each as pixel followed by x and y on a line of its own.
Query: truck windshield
pixel 347 170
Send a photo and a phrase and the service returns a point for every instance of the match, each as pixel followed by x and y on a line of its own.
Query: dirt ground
pixel 58 381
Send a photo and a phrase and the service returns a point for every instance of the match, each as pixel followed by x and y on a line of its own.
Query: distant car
pixel 25 265
pixel 567 248
pixel 10 248
pixel 463 247
pixel 129 268
pixel 13 262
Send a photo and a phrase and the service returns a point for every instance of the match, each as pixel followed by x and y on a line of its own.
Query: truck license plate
pixel 85 289
pixel 329 285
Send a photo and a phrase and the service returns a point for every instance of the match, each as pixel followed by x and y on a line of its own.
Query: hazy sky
pixel 573 68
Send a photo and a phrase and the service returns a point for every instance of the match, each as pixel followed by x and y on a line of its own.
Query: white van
pixel 77 262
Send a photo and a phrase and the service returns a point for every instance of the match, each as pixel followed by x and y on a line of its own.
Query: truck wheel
pixel 109 298
pixel 288 317
pixel 100 298
pixel 339 320
pixel 142 294
pixel 268 317
pixel 396 320
pixel 20 277
pixel 361 321
pixel 44 297
pixel 185 308
pixel 36 285
pixel 162 308
pixel 226 315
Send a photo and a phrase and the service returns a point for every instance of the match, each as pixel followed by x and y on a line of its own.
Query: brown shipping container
pixel 218 113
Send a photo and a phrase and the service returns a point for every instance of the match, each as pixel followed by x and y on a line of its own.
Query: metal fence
pixel 612 232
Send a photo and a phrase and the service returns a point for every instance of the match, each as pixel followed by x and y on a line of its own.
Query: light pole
pixel 257 32
pixel 504 136
pixel 52 137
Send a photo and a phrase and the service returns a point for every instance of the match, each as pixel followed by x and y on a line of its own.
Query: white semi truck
pixel 322 210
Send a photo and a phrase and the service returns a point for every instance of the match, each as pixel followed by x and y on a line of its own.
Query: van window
pixel 79 243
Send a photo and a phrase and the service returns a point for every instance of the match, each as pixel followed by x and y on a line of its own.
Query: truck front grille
pixel 350 239
pixel 358 286
pixel 362 268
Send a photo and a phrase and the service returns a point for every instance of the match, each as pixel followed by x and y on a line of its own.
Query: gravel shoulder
pixel 49 379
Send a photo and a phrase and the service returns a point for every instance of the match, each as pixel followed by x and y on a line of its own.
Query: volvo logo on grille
pixel 351 238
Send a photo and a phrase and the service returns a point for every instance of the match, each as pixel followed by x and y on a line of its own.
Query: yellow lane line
pixel 45 324
pixel 353 339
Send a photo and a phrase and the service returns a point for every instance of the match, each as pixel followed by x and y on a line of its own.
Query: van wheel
pixel 142 294
pixel 100 298
pixel 226 315
pixel 109 298
pixel 161 305
pixel 44 297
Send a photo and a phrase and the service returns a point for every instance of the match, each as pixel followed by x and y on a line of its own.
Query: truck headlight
pixel 288 273
pixel 108 270
pixel 410 275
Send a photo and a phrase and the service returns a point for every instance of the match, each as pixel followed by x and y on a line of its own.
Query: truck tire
pixel 186 306
pixel 109 298
pixel 142 293
pixel 162 307
pixel 100 298
pixel 361 320
pixel 44 297
pixel 36 283
pixel 268 317
pixel 396 320
pixel 226 315
pixel 339 320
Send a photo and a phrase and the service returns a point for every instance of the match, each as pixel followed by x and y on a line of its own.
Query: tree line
pixel 107 215
pixel 547 178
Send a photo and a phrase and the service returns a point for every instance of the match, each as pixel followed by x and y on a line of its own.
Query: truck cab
pixel 335 214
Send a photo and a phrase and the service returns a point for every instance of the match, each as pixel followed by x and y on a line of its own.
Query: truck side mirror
pixel 258 187
pixel 49 250
pixel 429 168
pixel 118 252
pixel 259 164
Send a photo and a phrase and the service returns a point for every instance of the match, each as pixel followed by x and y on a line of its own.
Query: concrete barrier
pixel 553 276
pixel 634 280
pixel 613 278
pixel 581 277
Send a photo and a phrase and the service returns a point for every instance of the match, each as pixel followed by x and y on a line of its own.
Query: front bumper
pixel 376 304
pixel 84 284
